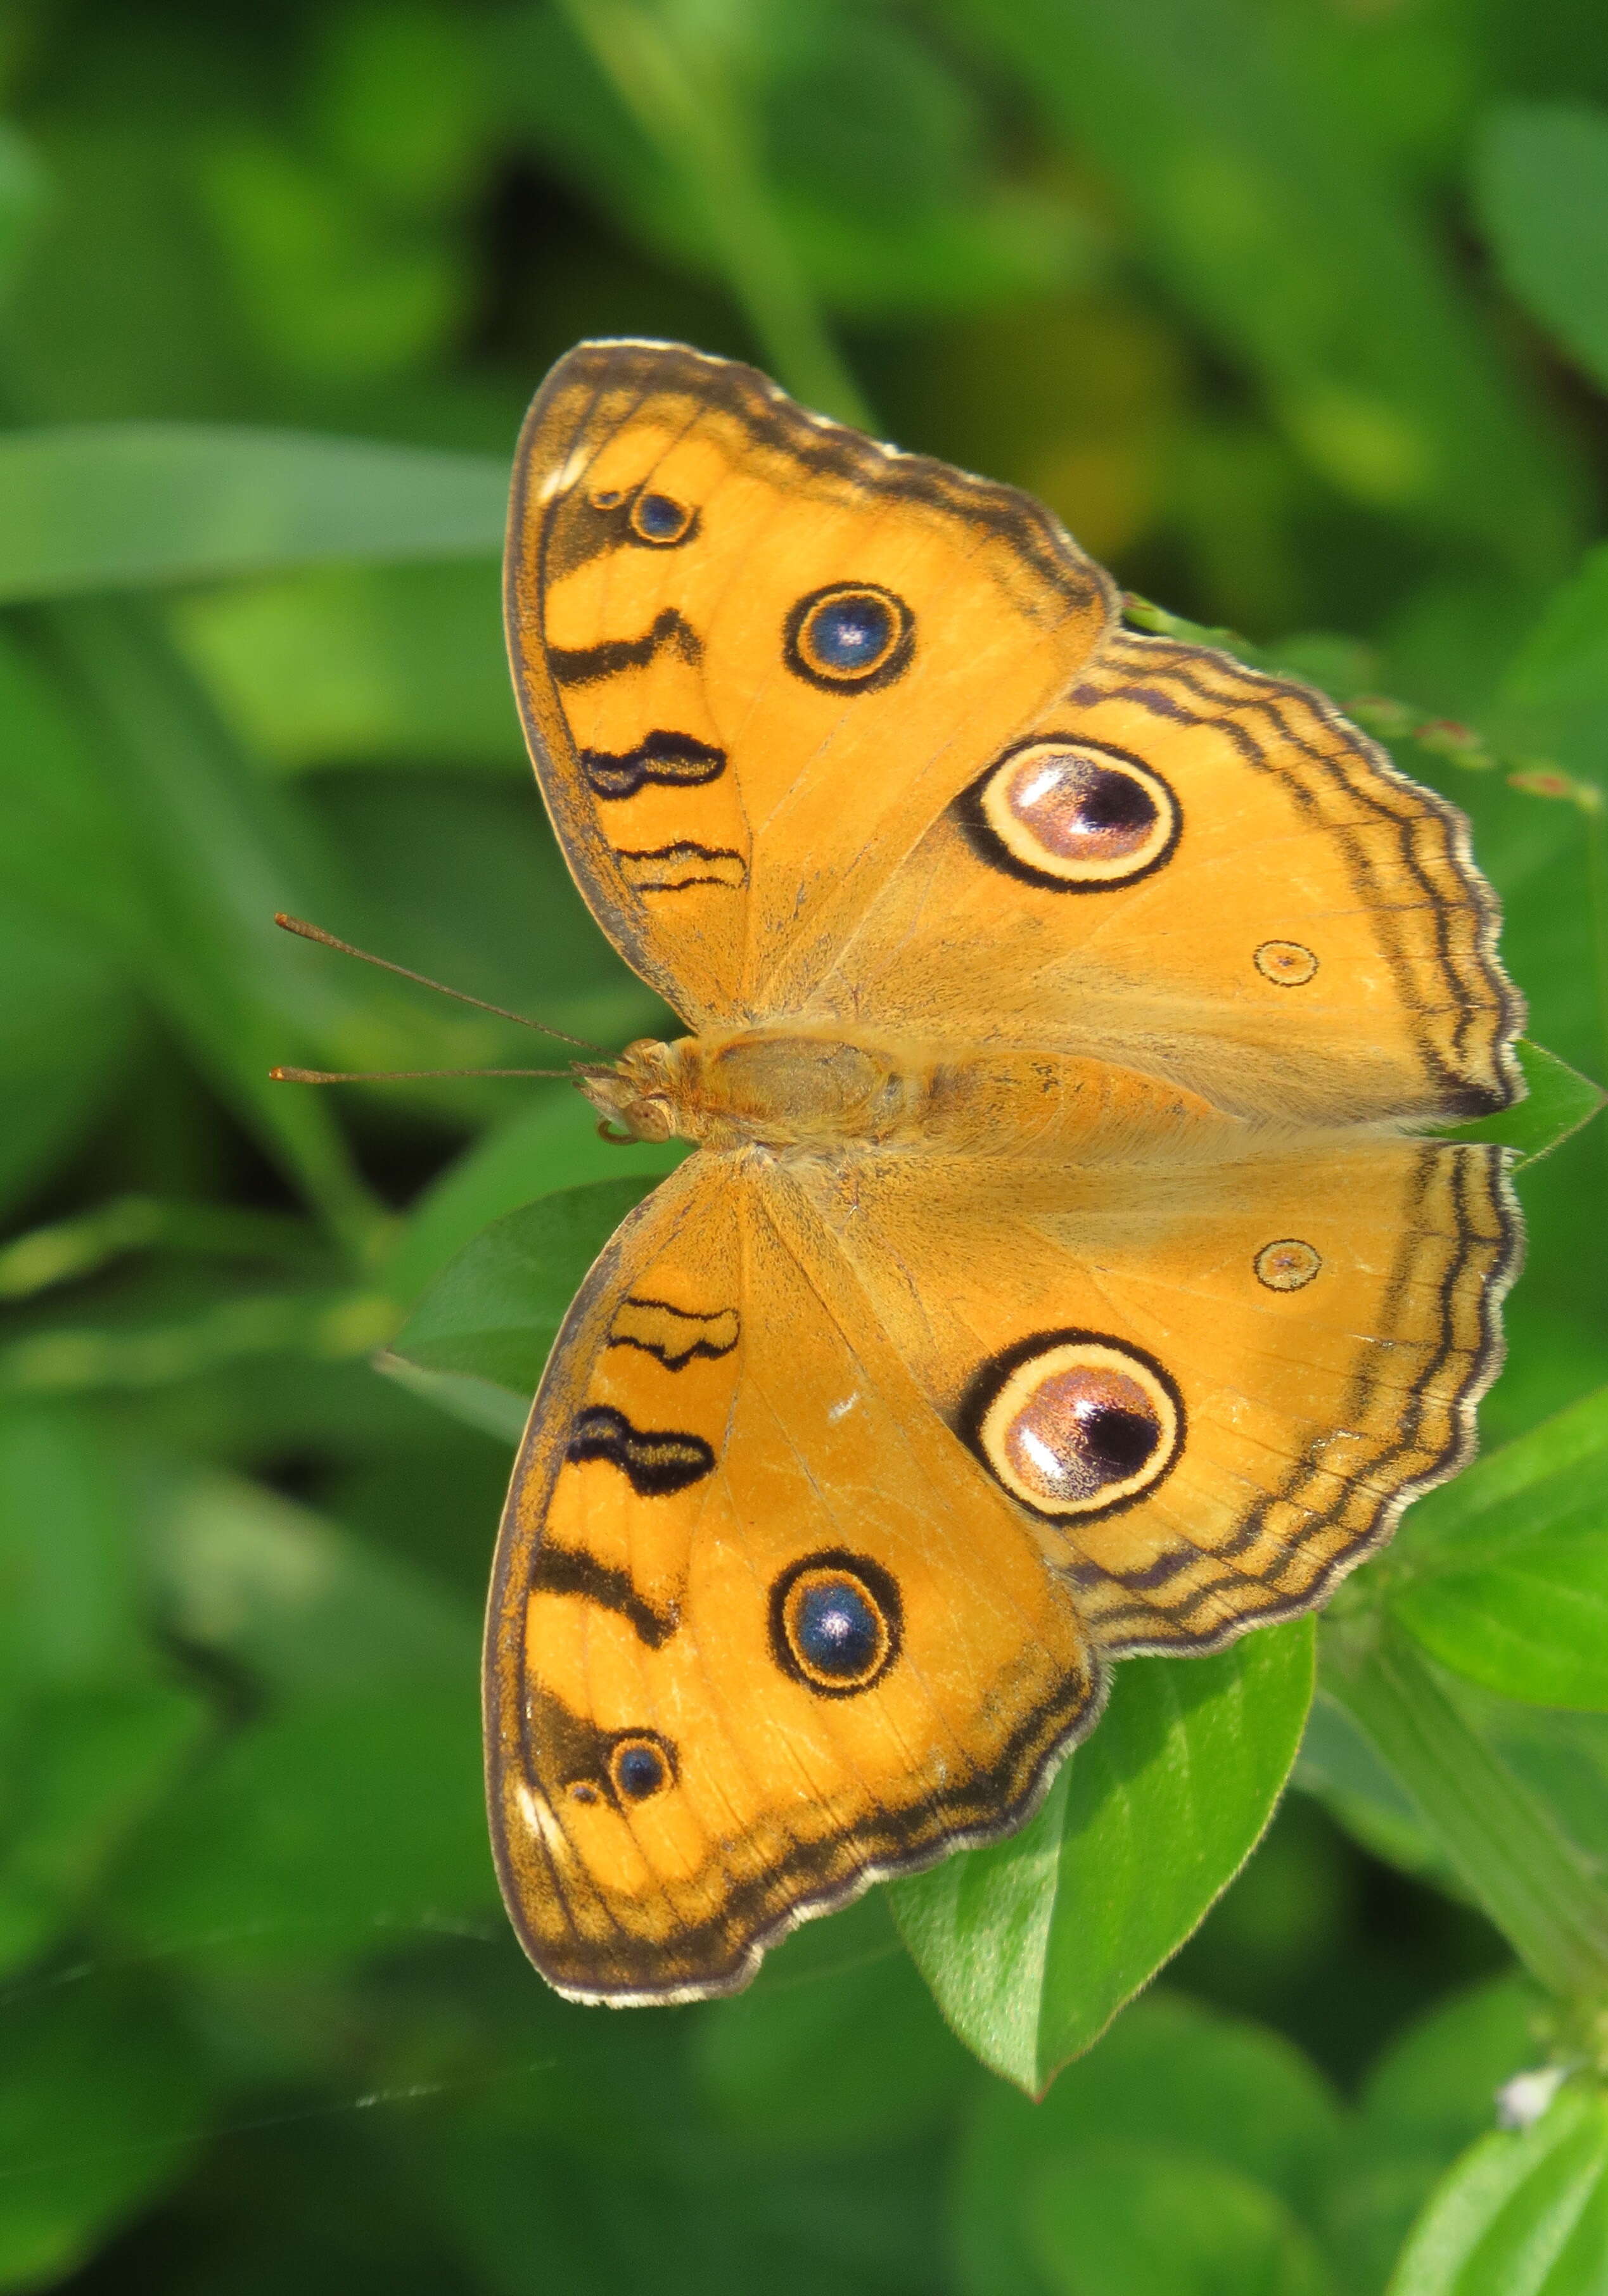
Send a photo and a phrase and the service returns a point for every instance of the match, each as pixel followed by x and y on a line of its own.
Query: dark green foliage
pixel 1299 315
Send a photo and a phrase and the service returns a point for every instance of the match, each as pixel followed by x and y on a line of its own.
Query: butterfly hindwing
pixel 1283 1350
pixel 758 1631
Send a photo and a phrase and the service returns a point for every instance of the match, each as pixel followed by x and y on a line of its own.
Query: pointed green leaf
pixel 1033 1945
pixel 494 1313
pixel 1558 1101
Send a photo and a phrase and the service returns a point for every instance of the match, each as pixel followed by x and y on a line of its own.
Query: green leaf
pixel 1558 1101
pixel 1033 1945
pixel 551 1144
pixel 495 1312
pixel 125 506
pixel 101 2104
pixel 1541 179
pixel 1214 2090
pixel 1503 1574
pixel 1130 2220
pixel 1522 2214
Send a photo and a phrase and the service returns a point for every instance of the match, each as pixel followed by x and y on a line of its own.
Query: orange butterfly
pixel 1059 1274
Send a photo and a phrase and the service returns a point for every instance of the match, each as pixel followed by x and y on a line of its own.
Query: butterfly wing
pixel 1206 874
pixel 759 1630
pixel 757 654
pixel 1212 1386
pixel 839 735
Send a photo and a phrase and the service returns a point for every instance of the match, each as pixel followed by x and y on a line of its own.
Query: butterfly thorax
pixel 822 1091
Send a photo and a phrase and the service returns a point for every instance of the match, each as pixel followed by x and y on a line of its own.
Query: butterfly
pixel 1063 1268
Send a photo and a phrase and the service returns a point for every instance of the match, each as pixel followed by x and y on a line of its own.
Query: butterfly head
pixel 641 1092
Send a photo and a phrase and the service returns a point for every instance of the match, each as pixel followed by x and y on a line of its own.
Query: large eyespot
pixel 640 1766
pixel 1288 1264
pixel 1073 1424
pixel 849 636
pixel 662 520
pixel 835 1622
pixel 1072 815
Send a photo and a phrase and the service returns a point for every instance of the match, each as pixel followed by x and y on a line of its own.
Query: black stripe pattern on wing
pixel 678 760
pixel 571 1570
pixel 672 1336
pixel 671 633
pixel 654 1461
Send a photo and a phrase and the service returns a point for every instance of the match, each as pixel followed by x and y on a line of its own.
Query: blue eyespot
pixel 660 518
pixel 837 1629
pixel 835 1622
pixel 638 1768
pixel 852 633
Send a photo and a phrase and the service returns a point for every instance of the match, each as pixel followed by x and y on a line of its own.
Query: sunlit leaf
pixel 1033 1945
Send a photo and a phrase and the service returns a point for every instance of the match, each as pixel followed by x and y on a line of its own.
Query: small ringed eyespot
pixel 583 1790
pixel 608 498
pixel 1071 815
pixel 661 520
pixel 1072 1423
pixel 849 637
pixel 1287 1264
pixel 1286 964
pixel 639 1767
pixel 836 1622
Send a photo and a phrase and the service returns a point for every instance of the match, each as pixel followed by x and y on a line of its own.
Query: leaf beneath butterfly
pixel 1558 1102
pixel 492 1314
pixel 1033 1945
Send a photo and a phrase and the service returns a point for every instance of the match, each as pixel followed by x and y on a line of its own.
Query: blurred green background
pixel 1296 311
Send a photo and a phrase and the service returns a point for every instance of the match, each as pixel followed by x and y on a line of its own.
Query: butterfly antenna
pixel 398 1076
pixel 328 940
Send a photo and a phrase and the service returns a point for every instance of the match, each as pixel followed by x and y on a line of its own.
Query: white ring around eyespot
pixel 1079 1355
pixel 1019 842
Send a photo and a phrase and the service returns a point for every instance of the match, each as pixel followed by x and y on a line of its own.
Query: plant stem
pixel 1534 1885
pixel 685 104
